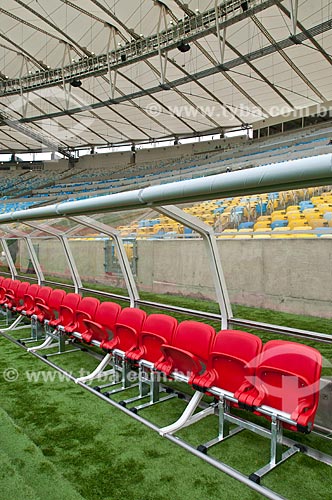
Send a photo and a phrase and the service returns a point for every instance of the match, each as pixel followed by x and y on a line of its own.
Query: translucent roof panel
pixel 88 73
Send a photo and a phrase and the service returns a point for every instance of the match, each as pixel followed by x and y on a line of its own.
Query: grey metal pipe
pixel 305 172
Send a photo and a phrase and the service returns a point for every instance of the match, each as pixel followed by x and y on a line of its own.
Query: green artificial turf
pixel 59 441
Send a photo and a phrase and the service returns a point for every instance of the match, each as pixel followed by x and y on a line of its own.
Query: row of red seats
pixel 282 375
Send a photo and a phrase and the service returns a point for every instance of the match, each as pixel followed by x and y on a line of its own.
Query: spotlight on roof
pixel 76 83
pixel 183 47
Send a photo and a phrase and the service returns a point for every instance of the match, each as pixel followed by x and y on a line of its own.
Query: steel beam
pixel 192 28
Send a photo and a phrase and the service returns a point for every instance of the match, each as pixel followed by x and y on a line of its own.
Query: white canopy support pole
pixel 9 258
pixel 287 175
pixel 34 260
pixel 122 255
pixel 67 251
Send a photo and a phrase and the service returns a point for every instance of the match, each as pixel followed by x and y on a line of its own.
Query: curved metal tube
pixel 305 172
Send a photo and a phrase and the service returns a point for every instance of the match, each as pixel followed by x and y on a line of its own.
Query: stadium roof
pixel 103 72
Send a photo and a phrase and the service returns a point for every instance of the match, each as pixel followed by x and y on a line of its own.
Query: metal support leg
pixel 97 372
pixel 224 427
pixel 276 441
pixel 276 455
pixel 47 344
pixel 37 330
pixel 126 375
pixel 14 325
pixel 149 386
pixel 187 416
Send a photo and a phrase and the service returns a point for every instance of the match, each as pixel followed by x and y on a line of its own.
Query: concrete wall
pixel 89 256
pixel 285 275
pixel 290 275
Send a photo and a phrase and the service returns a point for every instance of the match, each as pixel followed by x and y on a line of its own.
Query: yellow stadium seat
pixel 297 222
pixel 293 208
pixel 318 223
pixel 325 207
pixel 278 213
pixel 311 211
pixel 304 235
pixel 263 230
pixel 264 218
pixel 261 224
pixel 295 215
pixel 301 228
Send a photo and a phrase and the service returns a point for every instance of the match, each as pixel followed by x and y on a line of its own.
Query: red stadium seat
pixel 4 288
pixel 226 368
pixel 67 311
pixel 29 298
pixel 189 351
pixel 10 292
pixel 86 311
pixel 287 379
pixel 127 328
pixel 42 297
pixel 158 329
pixel 51 309
pixel 16 299
pixel 103 326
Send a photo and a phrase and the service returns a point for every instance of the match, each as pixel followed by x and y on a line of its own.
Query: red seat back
pixel 288 376
pixel 68 308
pixel 127 328
pixel 55 300
pixel 231 352
pixel 21 291
pixel 29 297
pixel 5 285
pixel 103 327
pixel 107 315
pixel 43 294
pixel 195 337
pixel 13 285
pixel 50 310
pixel 10 292
pixel 86 310
pixel 158 329
pixel 18 295
pixel 190 350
